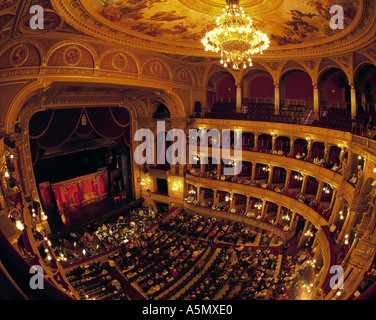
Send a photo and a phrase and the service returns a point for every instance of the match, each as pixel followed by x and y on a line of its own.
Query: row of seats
pixel 93 281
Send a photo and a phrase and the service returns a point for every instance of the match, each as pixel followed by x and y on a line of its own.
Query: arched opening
pixel 296 89
pixel 264 143
pixel 221 95
pixel 334 90
pixel 81 160
pixel 282 145
pixel 365 82
pixel 162 112
pixel 300 148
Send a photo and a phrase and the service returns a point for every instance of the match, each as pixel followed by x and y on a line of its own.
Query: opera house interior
pixel 278 92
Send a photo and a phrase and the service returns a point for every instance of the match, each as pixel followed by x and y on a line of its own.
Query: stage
pixel 82 216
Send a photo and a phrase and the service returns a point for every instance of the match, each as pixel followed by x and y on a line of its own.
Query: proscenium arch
pixel 33 87
pixel 32 107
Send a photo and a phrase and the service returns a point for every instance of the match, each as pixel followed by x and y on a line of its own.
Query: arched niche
pixel 365 82
pixel 220 88
pixel 334 89
pixel 296 88
pixel 258 86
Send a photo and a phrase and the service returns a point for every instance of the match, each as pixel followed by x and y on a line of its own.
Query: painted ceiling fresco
pixel 287 22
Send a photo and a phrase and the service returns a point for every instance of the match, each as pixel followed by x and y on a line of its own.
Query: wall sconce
pixel 326 190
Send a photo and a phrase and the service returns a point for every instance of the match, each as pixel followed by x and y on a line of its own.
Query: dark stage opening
pixel 82 163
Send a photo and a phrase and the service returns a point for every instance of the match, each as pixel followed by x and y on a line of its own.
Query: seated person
pixel 298 156
pixel 335 167
pixel 316 160
pixel 275 151
pixel 280 152
pixel 321 162
pixel 354 179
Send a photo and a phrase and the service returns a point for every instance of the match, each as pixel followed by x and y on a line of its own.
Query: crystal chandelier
pixel 235 37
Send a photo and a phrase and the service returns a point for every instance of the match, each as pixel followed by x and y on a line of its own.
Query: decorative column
pixel 215 196
pixel 274 138
pixel 279 213
pixel 316 100
pixel 327 151
pixel 255 143
pixel 309 149
pixel 238 98
pixel 348 225
pixel 247 204
pixel 198 189
pixel 277 101
pixel 337 207
pixel 263 209
pixel 287 180
pixel 304 183
pixel 319 191
pixel 232 202
pixel 270 177
pixel 302 237
pixel 253 171
pixel 353 101
pixel 292 220
pixel 292 141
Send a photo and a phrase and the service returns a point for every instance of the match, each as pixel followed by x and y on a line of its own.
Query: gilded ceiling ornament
pixel 273 65
pixel 19 55
pixel 156 68
pixel 344 61
pixel 72 55
pixel 310 64
pixel 182 75
pixel 83 120
pixel 120 61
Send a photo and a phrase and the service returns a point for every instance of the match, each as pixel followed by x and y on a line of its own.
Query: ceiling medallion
pixel 235 37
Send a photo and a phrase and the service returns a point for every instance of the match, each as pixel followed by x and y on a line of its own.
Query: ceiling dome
pixel 183 23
